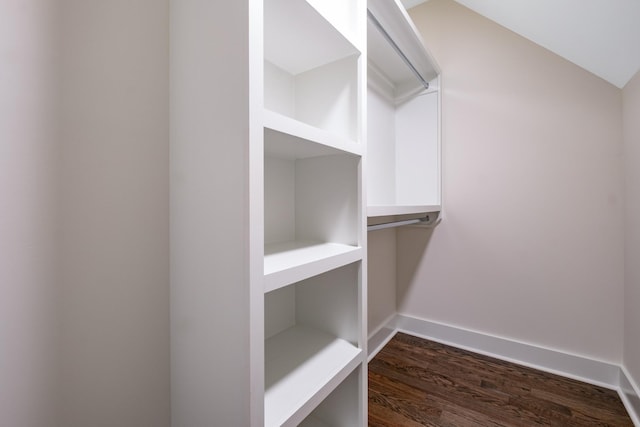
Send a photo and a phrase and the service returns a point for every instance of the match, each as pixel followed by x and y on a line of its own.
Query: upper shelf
pixel 397 24
pixel 291 26
pixel 391 210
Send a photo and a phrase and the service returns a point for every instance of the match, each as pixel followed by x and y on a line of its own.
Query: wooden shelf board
pixel 302 367
pixel 291 139
pixel 291 262
pixel 390 210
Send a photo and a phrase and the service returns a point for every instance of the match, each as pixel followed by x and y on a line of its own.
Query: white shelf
pixel 291 262
pixel 291 27
pixel 303 366
pixel 289 138
pixel 390 210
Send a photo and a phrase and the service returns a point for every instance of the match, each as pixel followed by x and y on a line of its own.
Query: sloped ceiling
pixel 601 36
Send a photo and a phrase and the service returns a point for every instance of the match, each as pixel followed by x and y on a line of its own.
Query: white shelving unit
pixel 314 215
pixel 268 253
pixel 403 116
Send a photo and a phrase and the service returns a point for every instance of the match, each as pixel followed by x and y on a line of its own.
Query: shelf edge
pixel 285 277
pixel 391 210
pixel 280 123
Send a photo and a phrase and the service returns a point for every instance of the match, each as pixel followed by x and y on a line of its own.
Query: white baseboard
pixel 630 395
pixel 591 371
pixel 553 361
pixel 378 340
pixel 380 337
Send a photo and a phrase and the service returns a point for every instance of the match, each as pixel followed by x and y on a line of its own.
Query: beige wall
pixel 381 281
pixel 27 214
pixel 115 213
pixel 531 246
pixel 84 314
pixel 631 122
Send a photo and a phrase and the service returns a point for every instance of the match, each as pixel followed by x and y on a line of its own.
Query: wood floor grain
pixel 415 382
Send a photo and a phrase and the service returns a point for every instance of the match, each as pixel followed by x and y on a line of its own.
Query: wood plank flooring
pixel 414 382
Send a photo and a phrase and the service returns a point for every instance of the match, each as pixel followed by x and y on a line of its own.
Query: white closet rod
pixel 397 49
pixel 393 224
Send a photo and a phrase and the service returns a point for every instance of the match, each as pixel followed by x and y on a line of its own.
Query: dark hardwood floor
pixel 414 382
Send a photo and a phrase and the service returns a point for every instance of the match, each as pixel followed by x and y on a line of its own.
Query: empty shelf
pixel 289 138
pixel 291 262
pixel 389 210
pixel 302 367
pixel 312 422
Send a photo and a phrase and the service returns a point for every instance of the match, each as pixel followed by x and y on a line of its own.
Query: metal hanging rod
pixel 426 222
pixel 397 49
pixel 393 224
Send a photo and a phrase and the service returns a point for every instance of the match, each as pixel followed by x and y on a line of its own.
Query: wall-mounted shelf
pixel 403 116
pixel 423 219
pixel 388 210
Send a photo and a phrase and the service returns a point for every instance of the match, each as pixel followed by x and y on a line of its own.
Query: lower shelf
pixel 302 367
pixel 312 422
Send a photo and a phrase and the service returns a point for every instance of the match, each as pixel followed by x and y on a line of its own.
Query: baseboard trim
pixel 630 395
pixel 380 337
pixel 378 340
pixel 577 367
